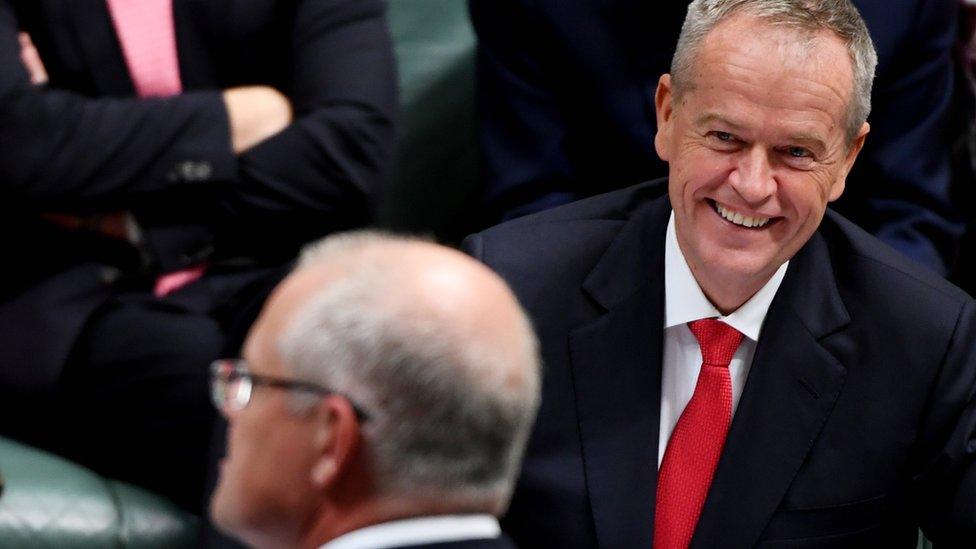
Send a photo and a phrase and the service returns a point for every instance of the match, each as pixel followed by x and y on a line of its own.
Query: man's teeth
pixel 739 219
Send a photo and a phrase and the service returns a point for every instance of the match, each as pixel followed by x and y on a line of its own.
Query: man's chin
pixel 222 512
pixel 237 514
pixel 742 263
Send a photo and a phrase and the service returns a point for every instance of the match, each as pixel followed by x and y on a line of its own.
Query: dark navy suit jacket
pixel 566 109
pixel 855 427
pixel 83 144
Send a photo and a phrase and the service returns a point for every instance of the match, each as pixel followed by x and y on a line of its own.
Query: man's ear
pixel 336 441
pixel 664 108
pixel 852 151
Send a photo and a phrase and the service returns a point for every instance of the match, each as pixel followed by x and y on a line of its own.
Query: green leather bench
pixel 47 501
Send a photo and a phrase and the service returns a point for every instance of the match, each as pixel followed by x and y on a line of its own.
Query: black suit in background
pixel 566 109
pixel 855 426
pixel 81 336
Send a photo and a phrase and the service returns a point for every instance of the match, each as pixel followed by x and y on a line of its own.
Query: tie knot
pixel 717 339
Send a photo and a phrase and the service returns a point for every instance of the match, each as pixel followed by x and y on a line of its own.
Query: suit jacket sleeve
pixel 900 187
pixel 325 169
pixel 63 150
pixel 523 131
pixel 947 483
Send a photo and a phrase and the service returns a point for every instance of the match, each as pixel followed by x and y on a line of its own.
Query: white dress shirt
pixel 684 302
pixel 416 531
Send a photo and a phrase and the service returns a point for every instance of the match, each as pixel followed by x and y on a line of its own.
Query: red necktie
pixel 148 38
pixel 697 440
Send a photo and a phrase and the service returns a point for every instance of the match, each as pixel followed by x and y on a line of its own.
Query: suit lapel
pixel 616 366
pixel 791 389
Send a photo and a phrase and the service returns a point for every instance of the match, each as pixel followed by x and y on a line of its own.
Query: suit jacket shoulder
pixel 880 286
pixel 851 244
pixel 566 241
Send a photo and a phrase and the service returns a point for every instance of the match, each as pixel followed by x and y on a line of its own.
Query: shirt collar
pixel 685 301
pixel 416 531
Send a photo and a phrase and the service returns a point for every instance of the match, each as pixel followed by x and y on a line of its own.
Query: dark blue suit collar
pixel 634 259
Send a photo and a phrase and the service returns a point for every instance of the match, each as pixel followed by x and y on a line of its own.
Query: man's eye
pixel 723 136
pixel 799 152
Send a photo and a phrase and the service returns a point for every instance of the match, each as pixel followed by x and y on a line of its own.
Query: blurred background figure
pixel 965 146
pixel 566 110
pixel 156 159
pixel 384 399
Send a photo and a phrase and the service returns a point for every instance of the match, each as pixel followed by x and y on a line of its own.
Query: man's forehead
pixel 743 70
pixel 743 38
pixel 280 310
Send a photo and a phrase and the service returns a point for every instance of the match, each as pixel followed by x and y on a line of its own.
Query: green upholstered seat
pixel 47 501
pixel 434 185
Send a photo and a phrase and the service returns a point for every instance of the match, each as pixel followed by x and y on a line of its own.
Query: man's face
pixel 265 480
pixel 756 147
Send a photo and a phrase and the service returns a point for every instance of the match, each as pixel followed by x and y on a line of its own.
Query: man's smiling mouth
pixel 739 219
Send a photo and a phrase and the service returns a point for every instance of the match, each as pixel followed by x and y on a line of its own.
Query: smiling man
pixel 759 136
pixel 729 364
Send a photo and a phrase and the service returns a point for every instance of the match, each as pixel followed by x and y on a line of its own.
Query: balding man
pixel 728 363
pixel 384 400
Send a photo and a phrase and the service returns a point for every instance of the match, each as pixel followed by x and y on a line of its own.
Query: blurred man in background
pixel 384 399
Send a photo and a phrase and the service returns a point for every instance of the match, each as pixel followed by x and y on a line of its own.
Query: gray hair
pixel 450 407
pixel 837 16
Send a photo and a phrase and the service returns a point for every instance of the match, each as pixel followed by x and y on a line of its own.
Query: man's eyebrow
pixel 712 117
pixel 810 140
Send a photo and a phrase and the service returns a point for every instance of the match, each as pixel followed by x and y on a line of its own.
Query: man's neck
pixel 726 296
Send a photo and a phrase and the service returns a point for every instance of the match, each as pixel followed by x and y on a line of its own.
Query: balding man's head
pixel 429 344
pixel 436 345
pixel 425 281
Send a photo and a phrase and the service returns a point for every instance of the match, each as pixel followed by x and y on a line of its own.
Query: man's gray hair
pixel 837 16
pixel 450 411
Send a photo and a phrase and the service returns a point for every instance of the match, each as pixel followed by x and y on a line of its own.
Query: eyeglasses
pixel 231 384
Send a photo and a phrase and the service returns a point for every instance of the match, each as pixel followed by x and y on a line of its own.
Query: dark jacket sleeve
pixel 565 97
pixel 324 171
pixel 522 129
pixel 946 500
pixel 63 150
pixel 170 160
pixel 899 189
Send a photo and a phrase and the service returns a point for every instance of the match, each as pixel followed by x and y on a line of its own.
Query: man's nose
pixel 752 177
